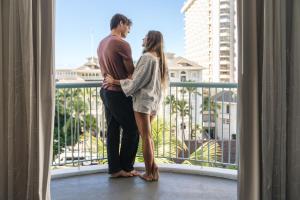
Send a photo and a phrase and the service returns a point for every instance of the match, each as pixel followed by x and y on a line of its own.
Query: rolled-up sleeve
pixel 141 76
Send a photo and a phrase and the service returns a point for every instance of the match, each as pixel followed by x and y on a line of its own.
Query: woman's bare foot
pixel 121 173
pixel 155 172
pixel 146 177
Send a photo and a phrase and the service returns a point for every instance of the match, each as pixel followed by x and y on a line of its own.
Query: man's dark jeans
pixel 119 114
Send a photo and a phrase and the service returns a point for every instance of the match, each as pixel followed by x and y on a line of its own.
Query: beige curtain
pixel 26 98
pixel 269 96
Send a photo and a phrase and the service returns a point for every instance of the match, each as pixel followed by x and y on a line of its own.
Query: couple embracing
pixel 131 96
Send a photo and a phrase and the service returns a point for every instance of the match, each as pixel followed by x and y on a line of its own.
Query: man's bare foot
pixel 146 177
pixel 134 173
pixel 121 173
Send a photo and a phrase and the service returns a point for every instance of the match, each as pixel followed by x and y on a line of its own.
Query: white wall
pixel 228 129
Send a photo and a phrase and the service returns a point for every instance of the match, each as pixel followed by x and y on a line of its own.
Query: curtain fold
pixel 27 97
pixel 269 91
pixel 248 58
pixel 293 99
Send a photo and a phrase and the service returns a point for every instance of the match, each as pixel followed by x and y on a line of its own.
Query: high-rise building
pixel 210 37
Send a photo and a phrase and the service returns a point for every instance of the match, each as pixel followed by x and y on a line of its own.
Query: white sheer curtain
pixel 26 98
pixel 269 96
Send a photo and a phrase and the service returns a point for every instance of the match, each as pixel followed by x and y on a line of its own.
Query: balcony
pixel 197 153
pixel 225 6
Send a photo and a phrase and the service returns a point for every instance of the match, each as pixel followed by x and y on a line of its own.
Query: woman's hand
pixel 130 77
pixel 109 79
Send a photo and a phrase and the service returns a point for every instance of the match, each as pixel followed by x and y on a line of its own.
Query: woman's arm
pixel 110 80
pixel 141 76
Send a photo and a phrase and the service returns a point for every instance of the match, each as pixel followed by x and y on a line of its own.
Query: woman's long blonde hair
pixel 155 43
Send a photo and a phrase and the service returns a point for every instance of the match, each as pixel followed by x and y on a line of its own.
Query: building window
pixel 224 38
pixel 225 17
pixel 225 31
pixel 226 121
pixel 224 80
pixel 224 53
pixel 227 109
pixel 224 67
pixel 224 11
pixel 225 59
pixel 225 73
pixel 224 24
pixel 225 45
pixel 225 3
pixel 183 79
pixel 172 75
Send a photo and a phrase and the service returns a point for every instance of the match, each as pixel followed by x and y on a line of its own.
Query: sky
pixel 81 24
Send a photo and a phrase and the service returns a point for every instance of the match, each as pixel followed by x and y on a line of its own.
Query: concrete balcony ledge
pixel 172 168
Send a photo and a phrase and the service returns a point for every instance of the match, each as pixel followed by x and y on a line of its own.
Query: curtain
pixel 26 98
pixel 269 91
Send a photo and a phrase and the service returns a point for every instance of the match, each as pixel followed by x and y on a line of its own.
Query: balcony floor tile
pixel 171 186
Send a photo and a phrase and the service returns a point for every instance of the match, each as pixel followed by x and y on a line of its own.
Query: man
pixel 115 58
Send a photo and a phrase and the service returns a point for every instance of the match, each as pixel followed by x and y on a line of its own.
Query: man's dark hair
pixel 117 18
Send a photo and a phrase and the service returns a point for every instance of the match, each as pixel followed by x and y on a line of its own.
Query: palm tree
pixel 184 110
pixel 170 100
pixel 195 129
pixel 70 117
pixel 192 90
pixel 182 106
pixel 64 121
pixel 210 105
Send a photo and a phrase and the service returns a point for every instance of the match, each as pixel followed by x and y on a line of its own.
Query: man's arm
pixel 129 66
pixel 126 54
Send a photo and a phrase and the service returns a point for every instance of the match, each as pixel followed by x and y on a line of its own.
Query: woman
pixel 145 86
